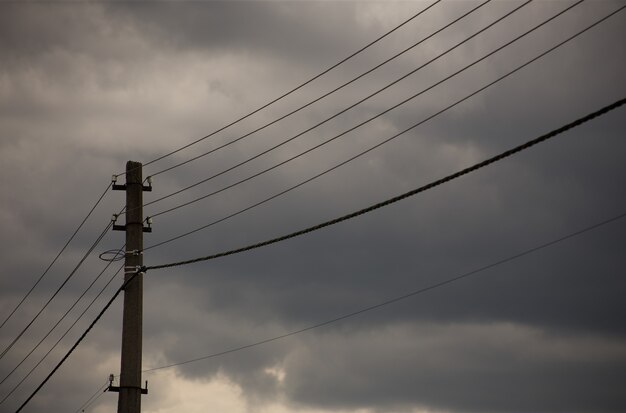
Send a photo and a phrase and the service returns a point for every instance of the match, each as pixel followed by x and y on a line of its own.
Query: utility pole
pixel 130 389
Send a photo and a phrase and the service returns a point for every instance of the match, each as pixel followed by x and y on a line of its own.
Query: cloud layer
pixel 86 86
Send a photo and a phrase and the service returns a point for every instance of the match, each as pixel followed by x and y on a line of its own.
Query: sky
pixel 87 86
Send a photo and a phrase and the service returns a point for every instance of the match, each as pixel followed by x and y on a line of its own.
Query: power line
pixel 57 256
pixel 394 299
pixel 408 194
pixel 80 339
pixel 384 303
pixel 386 140
pixel 295 88
pixel 57 323
pixel 64 334
pixel 98 393
pixel 309 103
pixel 619 103
pixel 350 107
pixel 401 297
pixel 82 260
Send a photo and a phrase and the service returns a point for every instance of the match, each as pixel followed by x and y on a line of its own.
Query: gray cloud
pixel 500 367
pixel 85 87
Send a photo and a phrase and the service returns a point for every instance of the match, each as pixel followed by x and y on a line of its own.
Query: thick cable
pixel 401 297
pixel 295 88
pixel 57 256
pixel 312 102
pixel 408 194
pixel 351 129
pixel 388 139
pixel 71 274
pixel 80 339
pixel 62 336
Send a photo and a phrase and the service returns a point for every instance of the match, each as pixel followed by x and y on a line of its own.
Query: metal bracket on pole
pixel 148 188
pixel 148 228
pixel 132 269
pixel 116 187
pixel 116 389
pixel 115 226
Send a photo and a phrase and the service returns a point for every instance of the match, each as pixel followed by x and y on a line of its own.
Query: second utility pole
pixel 130 390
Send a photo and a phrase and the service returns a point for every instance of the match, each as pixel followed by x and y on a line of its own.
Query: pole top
pixel 134 172
pixel 133 164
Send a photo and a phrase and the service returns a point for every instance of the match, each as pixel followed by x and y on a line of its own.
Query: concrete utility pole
pixel 130 390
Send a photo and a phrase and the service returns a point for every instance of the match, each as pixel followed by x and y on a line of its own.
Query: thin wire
pixel 64 315
pixel 385 141
pixel 408 194
pixel 80 339
pixel 93 246
pixel 64 334
pixel 295 88
pixel 57 256
pixel 55 326
pixel 313 101
pixel 93 398
pixel 402 297
pixel 392 300
pixel 348 108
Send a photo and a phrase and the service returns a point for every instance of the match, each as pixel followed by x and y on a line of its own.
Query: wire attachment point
pixel 148 228
pixel 112 255
pixel 115 186
pixel 148 188
pixel 117 227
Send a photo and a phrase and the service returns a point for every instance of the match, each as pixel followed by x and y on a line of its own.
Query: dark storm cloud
pixel 471 367
pixel 86 87
pixel 316 30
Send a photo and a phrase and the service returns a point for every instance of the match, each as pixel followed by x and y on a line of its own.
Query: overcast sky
pixel 86 86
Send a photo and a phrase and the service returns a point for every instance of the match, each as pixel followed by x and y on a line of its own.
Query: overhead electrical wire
pixel 63 336
pixel 314 100
pixel 401 297
pixel 558 131
pixel 528 144
pixel 55 326
pixel 71 274
pixel 405 195
pixel 94 245
pixel 326 120
pixel 345 132
pixel 465 171
pixel 97 394
pixel 386 302
pixel 388 139
pixel 380 304
pixel 57 256
pixel 98 240
pixel 342 61
pixel 168 211
pixel 80 339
